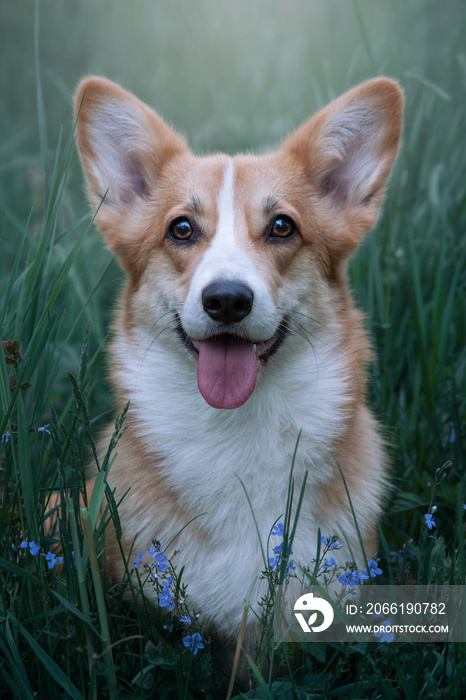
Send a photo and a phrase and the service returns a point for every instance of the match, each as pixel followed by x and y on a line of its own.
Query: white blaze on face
pixel 227 366
pixel 225 236
pixel 226 259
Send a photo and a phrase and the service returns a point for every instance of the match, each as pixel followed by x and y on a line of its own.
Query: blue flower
pixel 361 575
pixel 33 547
pixel 275 561
pixel 193 642
pixel 402 555
pixel 161 563
pixel 385 636
pixel 277 530
pixel 328 563
pixel 137 563
pixel 348 579
pixel 166 600
pixel 158 547
pixel 373 569
pixel 278 549
pixel 51 560
pixel 429 521
pixel 186 619
pixel 331 542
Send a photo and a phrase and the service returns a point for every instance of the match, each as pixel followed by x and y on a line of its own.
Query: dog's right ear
pixel 123 145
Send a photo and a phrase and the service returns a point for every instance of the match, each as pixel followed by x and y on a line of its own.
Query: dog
pixel 236 333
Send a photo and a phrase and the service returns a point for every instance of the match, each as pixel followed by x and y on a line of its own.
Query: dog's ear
pixel 348 150
pixel 123 144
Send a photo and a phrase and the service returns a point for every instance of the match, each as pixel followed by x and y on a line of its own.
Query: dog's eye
pixel 282 227
pixel 181 229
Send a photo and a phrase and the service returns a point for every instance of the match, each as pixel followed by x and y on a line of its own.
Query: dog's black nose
pixel 227 301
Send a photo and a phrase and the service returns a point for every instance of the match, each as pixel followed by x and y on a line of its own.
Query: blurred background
pixel 231 75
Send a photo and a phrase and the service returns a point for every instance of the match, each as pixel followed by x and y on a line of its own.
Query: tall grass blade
pixel 49 664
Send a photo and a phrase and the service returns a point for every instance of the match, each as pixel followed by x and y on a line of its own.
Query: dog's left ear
pixel 348 150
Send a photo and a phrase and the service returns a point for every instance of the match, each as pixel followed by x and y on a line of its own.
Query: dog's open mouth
pixel 228 366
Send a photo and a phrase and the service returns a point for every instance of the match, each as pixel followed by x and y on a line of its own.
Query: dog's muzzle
pixel 228 363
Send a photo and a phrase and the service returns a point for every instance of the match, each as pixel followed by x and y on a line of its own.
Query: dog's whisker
pixel 168 326
pixel 313 320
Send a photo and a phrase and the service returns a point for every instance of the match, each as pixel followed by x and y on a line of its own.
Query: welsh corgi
pixel 236 332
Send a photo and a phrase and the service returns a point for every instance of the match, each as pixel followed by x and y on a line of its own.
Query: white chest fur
pixel 226 466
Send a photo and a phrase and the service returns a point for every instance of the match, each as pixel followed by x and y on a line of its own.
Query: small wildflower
pixel 51 560
pixel 429 521
pixel 44 429
pixel 331 542
pixel 274 562
pixel 137 563
pixel 348 579
pixel 362 575
pixel 402 556
pixel 277 530
pixel 157 547
pixel 186 619
pixel 328 563
pixel 161 563
pixel 278 549
pixel 373 569
pixel 34 548
pixel 166 599
pixel 433 509
pixel 193 642
pixel 385 636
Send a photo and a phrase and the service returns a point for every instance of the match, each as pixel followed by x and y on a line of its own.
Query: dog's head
pixel 239 256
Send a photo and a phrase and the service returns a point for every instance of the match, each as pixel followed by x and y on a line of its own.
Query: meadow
pixel 232 76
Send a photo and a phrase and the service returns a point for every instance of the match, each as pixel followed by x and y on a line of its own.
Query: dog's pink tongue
pixel 226 371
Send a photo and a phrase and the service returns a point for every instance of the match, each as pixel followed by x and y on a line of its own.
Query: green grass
pixel 239 77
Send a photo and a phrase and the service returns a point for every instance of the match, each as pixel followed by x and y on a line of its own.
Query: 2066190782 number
pixel 417 608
